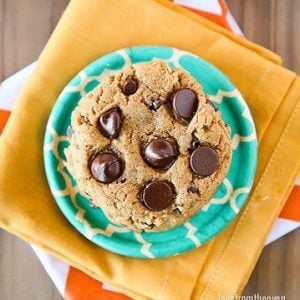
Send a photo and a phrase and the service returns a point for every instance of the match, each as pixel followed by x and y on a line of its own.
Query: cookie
pixel 148 147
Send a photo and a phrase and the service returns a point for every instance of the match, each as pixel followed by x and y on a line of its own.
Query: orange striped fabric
pixel 80 286
pixel 4 115
pixel 218 19
pixel 291 210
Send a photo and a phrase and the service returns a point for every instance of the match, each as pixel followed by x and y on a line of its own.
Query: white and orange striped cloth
pixel 67 278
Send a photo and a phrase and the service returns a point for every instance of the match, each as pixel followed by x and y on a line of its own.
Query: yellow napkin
pixel 91 28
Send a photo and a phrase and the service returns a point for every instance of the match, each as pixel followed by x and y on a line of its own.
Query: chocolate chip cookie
pixel 148 147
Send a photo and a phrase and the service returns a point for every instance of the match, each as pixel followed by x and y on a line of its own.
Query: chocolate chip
pixel 110 123
pixel 212 104
pixel 194 143
pixel 160 153
pixel 156 104
pixel 130 86
pixel 106 167
pixel 185 104
pixel 204 161
pixel 70 131
pixel 193 189
pixel 157 195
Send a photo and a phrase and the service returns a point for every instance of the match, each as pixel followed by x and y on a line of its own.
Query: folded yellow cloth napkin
pixel 91 28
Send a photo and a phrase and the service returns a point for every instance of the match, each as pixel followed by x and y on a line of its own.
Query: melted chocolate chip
pixel 156 104
pixel 157 195
pixel 160 153
pixel 204 161
pixel 106 167
pixel 110 123
pixel 70 131
pixel 212 104
pixel 185 104
pixel 130 86
pixel 193 189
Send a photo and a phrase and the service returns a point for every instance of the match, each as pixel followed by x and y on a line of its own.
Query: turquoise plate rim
pixel 114 238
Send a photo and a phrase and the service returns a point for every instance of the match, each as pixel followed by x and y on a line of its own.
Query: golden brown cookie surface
pixel 147 147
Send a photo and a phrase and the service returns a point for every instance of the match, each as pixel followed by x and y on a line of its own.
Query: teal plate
pixel 211 219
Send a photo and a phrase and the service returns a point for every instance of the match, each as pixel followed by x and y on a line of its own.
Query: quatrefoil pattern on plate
pixel 211 219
